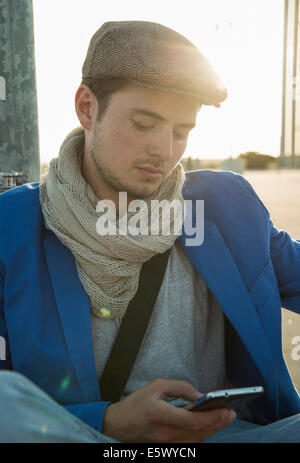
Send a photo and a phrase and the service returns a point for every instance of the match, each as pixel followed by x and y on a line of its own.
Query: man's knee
pixel 12 384
pixel 12 378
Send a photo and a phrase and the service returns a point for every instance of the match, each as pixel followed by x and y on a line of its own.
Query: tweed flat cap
pixel 154 56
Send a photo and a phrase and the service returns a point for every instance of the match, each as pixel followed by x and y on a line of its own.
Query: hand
pixel 145 416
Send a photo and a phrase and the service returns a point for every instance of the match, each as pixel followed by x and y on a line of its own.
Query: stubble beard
pixel 113 182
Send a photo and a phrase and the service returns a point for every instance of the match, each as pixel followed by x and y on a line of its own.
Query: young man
pixel 65 287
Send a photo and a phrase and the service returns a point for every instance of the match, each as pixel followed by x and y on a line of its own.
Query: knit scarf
pixel 108 266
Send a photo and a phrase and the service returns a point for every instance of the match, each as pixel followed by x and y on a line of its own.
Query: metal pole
pixel 295 50
pixel 19 138
pixel 282 147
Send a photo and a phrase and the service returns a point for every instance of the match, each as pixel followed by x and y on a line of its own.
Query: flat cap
pixel 154 56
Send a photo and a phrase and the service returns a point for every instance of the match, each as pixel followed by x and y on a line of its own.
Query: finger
pixel 169 415
pixel 165 388
pixel 197 433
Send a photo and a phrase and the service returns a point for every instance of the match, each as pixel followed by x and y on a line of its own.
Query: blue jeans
pixel 28 414
pixel 286 430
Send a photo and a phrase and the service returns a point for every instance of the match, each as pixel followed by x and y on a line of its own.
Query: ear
pixel 86 107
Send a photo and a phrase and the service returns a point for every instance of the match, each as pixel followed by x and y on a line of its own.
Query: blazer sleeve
pixel 285 257
pixel 91 413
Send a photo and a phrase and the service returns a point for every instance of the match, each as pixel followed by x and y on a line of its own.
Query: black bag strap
pixel 131 332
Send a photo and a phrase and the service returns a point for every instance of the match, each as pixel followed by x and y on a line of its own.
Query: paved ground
pixel 280 192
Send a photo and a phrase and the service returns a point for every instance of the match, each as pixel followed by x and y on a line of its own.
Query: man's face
pixel 139 141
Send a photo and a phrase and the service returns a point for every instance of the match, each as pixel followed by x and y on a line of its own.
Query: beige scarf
pixel 108 266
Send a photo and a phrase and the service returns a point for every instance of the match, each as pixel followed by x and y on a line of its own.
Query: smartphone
pixel 225 398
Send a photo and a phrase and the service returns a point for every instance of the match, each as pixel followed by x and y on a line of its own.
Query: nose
pixel 161 145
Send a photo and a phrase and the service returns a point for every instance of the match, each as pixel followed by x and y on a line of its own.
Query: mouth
pixel 150 172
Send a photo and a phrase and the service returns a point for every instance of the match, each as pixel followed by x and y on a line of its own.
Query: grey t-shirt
pixel 185 336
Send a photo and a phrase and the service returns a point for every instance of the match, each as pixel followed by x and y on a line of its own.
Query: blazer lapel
pixel 74 310
pixel 215 264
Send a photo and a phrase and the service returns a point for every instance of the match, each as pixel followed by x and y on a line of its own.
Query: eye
pixel 141 126
pixel 179 136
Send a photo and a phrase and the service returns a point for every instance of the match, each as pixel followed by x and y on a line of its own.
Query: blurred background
pixel 252 44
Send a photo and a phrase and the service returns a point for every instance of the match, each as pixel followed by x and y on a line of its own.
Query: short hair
pixel 103 90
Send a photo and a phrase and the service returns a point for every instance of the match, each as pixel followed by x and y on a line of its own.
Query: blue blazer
pixel 251 268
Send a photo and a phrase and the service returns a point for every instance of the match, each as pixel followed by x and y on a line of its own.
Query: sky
pixel 243 40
